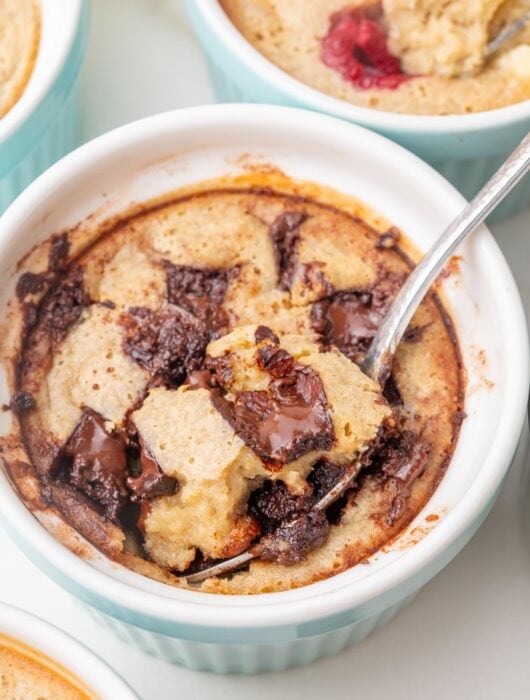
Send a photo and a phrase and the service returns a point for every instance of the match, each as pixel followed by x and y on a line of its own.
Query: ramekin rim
pixel 25 106
pixel 40 634
pixel 267 609
pixel 234 41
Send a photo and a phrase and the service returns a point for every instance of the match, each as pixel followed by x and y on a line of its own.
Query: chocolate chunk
pixel 64 305
pixel 273 504
pixel 200 291
pixel 323 477
pixel 94 461
pixel 58 256
pixel 350 319
pixel 400 461
pixel 30 283
pixel 288 419
pixel 151 482
pixel 265 333
pixel 285 234
pixel 22 401
pixel 291 542
pixel 220 368
pixel 108 304
pixel 169 343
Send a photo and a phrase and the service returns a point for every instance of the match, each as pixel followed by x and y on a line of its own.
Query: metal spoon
pixel 507 33
pixel 379 358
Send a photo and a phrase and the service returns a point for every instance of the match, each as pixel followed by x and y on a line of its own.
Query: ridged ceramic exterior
pixel 258 650
pixel 50 131
pixel 472 159
pixel 247 658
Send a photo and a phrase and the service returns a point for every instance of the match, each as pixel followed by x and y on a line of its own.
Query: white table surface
pixel 467 634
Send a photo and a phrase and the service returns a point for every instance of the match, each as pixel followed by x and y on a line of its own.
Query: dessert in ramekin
pixel 412 58
pixel 188 385
pixel 37 660
pixel 137 283
pixel 290 55
pixel 40 62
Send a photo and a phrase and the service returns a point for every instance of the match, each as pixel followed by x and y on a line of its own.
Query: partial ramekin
pixel 42 125
pixel 60 647
pixel 160 154
pixel 465 149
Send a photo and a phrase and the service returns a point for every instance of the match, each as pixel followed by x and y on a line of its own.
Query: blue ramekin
pixel 466 149
pixel 42 126
pixel 154 157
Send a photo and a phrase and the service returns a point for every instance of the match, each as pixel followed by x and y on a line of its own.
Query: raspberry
pixel 356 47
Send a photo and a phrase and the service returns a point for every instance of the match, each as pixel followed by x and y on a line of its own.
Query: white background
pixel 467 634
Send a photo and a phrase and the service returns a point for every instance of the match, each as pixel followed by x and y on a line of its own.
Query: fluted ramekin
pixel 465 149
pixel 42 126
pixel 71 655
pixel 161 154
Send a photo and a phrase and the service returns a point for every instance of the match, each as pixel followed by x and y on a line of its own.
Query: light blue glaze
pixel 255 649
pixel 466 159
pixel 50 131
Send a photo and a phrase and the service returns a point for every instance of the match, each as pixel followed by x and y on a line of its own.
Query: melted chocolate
pixel 289 419
pixel 151 482
pixel 285 233
pixel 169 343
pixel 94 461
pixel 350 319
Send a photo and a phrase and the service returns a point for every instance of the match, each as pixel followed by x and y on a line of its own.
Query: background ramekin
pixel 465 149
pixel 269 632
pixel 66 651
pixel 42 126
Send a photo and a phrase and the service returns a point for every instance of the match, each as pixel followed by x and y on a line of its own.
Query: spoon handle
pixel 379 358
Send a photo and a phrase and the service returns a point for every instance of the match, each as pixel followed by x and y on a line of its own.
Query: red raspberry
pixel 356 47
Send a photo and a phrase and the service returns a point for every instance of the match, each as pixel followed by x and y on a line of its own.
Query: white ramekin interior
pixel 64 649
pixel 161 153
pixel 219 23
pixel 59 25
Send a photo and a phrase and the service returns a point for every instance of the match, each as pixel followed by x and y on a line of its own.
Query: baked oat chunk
pixel 440 38
pixel 279 414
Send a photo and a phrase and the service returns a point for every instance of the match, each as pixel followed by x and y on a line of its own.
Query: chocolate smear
pixel 63 306
pixel 285 234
